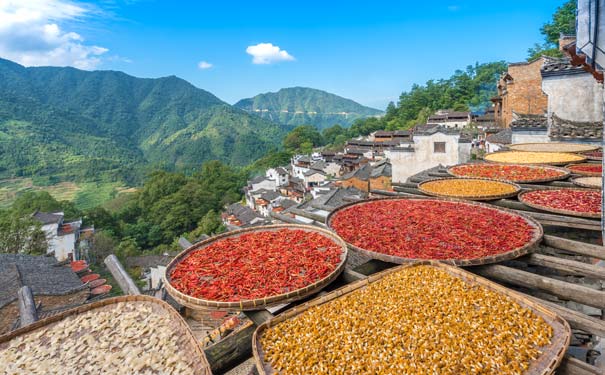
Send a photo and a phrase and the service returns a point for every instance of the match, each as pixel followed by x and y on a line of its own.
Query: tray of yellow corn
pixel 553 147
pixel 421 318
pixel 522 157
pixel 121 335
pixel 475 189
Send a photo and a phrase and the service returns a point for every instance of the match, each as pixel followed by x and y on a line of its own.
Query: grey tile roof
pixel 311 172
pixel 528 122
pixel 287 203
pixel 319 165
pixel 281 170
pixel 424 175
pixel 336 198
pixel 41 273
pixel 559 66
pixel 270 195
pixel 562 129
pixel 258 179
pixel 504 137
pixel 48 218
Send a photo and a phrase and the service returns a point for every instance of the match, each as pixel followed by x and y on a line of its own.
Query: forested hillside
pixel 305 106
pixel 74 124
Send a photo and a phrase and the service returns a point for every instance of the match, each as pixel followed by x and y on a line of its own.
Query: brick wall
pixel 523 94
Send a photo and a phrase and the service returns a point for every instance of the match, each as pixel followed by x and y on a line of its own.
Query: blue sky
pixel 368 51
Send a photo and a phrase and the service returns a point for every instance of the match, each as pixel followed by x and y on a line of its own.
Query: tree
pixel 102 219
pixel 21 234
pixel 210 224
pixel 103 245
pixel 330 134
pixel 563 22
pixel 303 134
pixel 127 248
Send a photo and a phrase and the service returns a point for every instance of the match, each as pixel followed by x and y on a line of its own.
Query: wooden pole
pixel 575 247
pixel 122 277
pixel 573 366
pixel 566 266
pixel 27 306
pixel 561 289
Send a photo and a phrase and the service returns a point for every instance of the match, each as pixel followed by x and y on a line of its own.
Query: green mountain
pixel 74 124
pixel 304 106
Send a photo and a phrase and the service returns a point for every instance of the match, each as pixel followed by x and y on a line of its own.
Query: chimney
pixel 564 40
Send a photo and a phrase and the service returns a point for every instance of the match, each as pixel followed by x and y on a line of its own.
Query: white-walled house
pixel 450 119
pixel 428 149
pixel 62 237
pixel 314 177
pixel 280 175
pixel 300 165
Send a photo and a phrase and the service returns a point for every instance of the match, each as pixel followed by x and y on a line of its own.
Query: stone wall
pixel 577 97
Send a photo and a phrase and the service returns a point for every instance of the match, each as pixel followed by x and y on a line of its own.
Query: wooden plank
pixel 576 319
pixel 27 306
pixel 569 267
pixel 288 219
pixel 413 191
pixel 322 207
pixel 258 316
pixel 561 289
pixel 122 277
pixel 350 276
pixel 573 366
pixel 231 351
pixel 575 247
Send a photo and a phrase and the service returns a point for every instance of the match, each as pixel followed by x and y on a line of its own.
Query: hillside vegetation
pixel 305 106
pixel 70 124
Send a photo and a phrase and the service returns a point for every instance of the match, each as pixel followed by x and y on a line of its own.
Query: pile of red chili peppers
pixel 577 200
pixel 256 265
pixel 586 167
pixel 430 229
pixel 509 172
pixel 594 154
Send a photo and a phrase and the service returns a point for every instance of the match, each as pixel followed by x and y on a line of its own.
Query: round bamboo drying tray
pixel 589 182
pixel 484 197
pixel 544 365
pixel 592 157
pixel 508 255
pixel 556 210
pixel 584 173
pixel 564 172
pixel 187 341
pixel 261 303
pixel 571 158
pixel 553 147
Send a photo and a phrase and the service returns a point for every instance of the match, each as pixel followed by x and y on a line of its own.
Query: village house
pixel 369 177
pixel 497 141
pixel 300 164
pixel 54 286
pixel 450 119
pixel 237 216
pixel 280 175
pixel 431 146
pixel 520 91
pixel 63 238
pixel 152 268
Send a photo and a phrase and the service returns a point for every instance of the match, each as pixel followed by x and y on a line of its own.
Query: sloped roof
pixel 48 218
pixel 281 170
pixel 503 137
pixel 270 195
pixel 559 66
pixel 41 273
pixel 528 122
pixel 259 179
pixel 287 203
pixel 319 165
pixel 567 129
pixel 383 168
pixel 362 173
pixel 311 172
pixel 336 198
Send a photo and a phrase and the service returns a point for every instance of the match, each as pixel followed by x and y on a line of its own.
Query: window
pixel 439 147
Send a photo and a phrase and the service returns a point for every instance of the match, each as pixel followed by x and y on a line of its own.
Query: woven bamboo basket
pixel 584 173
pixel 564 172
pixel 553 147
pixel 586 182
pixel 261 303
pixel 573 158
pixel 485 197
pixel 187 342
pixel 592 157
pixel 512 254
pixel 545 364
pixel 555 210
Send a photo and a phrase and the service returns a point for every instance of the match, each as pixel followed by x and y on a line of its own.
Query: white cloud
pixel 204 65
pixel 30 34
pixel 267 53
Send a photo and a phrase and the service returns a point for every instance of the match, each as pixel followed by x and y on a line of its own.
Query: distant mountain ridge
pixel 79 124
pixel 306 106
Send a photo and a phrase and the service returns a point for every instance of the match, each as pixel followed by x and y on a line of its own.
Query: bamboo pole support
pixel 122 277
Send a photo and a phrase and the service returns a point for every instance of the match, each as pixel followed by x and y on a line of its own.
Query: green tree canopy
pixel 302 135
pixel 563 22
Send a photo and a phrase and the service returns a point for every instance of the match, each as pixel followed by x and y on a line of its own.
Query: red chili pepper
pixel 256 265
pixel 583 201
pixel 424 229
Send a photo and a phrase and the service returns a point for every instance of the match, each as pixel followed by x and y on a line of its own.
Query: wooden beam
pixel 576 319
pixel 322 207
pixel 286 219
pixel 27 306
pixel 566 266
pixel 561 289
pixel 350 276
pixel 258 316
pixel 573 366
pixel 414 191
pixel 122 277
pixel 231 351
pixel 576 247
